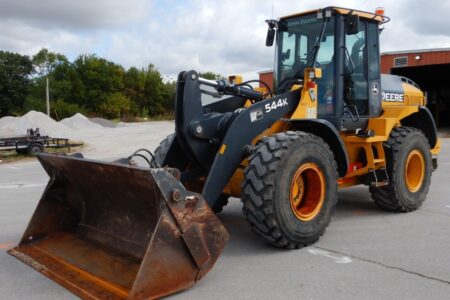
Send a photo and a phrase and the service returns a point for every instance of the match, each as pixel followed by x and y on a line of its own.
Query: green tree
pixel 33 103
pixel 45 62
pixel 90 84
pixel 116 106
pixel 64 78
pixel 15 73
pixel 62 109
pixel 95 80
pixel 134 88
pixel 153 91
pixel 211 75
pixel 169 93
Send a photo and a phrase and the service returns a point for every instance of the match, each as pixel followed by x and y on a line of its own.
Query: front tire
pixel 409 169
pixel 162 149
pixel 290 189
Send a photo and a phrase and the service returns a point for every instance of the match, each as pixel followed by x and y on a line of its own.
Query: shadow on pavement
pixel 352 203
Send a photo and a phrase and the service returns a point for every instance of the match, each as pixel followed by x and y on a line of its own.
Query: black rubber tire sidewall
pixel 163 148
pixel 296 229
pixel 221 202
pixel 412 200
pixel 34 149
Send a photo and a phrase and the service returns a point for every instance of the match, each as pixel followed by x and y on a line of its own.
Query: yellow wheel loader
pixel 117 230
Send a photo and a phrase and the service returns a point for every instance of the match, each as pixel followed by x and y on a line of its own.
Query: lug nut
pixel 174 172
pixel 199 129
pixel 176 195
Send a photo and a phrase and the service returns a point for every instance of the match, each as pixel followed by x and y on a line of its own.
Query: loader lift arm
pixel 216 142
pixel 254 120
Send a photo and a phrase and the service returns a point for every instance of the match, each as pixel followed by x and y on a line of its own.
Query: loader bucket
pixel 114 231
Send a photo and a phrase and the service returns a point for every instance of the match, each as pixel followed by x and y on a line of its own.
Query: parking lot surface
pixel 366 253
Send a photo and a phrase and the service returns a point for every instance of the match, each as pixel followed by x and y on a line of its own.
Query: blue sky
pixel 220 36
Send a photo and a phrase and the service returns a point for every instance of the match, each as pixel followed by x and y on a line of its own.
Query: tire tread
pixel 388 197
pixel 257 187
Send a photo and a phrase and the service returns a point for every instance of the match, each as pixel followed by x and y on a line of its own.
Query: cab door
pixel 361 75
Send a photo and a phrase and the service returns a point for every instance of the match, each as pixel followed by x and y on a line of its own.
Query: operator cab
pixel 345 45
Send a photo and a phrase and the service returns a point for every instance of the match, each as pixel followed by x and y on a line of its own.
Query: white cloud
pixel 27 39
pixel 220 36
pixel 75 15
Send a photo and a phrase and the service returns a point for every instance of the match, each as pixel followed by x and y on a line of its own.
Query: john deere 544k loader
pixel 116 230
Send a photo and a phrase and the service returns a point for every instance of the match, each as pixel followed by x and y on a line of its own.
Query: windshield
pixel 296 42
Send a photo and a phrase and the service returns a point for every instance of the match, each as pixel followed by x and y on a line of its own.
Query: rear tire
pixel 409 169
pixel 160 154
pixel 285 167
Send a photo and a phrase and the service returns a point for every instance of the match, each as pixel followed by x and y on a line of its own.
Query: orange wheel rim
pixel 414 170
pixel 307 191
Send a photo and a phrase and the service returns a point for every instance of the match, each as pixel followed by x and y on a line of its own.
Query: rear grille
pixel 401 61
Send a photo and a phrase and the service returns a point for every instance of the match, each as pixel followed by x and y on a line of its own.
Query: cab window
pixel 356 80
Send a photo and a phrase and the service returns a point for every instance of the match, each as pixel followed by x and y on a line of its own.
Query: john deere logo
pixel 375 89
pixel 392 97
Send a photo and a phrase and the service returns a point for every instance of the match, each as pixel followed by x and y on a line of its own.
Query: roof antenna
pixel 272 9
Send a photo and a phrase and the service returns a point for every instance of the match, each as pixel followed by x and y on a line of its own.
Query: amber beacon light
pixel 379 11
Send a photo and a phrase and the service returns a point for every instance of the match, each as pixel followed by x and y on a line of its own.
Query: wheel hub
pixel 307 191
pixel 414 170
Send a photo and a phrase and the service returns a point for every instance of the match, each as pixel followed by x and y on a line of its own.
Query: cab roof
pixel 344 11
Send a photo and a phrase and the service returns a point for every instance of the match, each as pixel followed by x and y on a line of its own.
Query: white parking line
pixel 21 185
pixel 448 206
pixel 337 258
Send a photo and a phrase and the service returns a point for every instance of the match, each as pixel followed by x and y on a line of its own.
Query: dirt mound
pixel 103 122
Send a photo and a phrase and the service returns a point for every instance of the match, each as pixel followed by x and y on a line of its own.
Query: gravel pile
pixel 99 142
pixel 67 128
pixel 80 122
pixel 103 122
pixel 16 126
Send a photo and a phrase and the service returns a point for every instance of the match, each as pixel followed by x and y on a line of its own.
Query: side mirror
pixel 352 24
pixel 270 36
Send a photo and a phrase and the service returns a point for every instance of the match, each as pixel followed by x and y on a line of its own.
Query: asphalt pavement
pixel 366 253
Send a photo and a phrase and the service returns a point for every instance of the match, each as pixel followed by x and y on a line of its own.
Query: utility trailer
pixel 32 143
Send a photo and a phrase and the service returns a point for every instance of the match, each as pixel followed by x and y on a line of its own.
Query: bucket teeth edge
pixel 28 260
